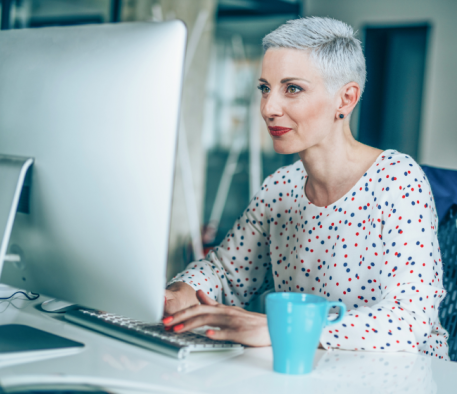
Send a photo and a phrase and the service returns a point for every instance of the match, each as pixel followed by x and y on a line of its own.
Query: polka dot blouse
pixel 375 249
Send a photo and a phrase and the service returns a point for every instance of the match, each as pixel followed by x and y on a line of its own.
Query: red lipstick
pixel 276 131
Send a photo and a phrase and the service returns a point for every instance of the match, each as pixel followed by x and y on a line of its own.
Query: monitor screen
pixel 97 109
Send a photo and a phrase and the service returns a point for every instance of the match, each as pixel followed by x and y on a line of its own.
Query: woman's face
pixel 297 108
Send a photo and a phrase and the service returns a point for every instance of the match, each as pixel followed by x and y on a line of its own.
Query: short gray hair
pixel 332 46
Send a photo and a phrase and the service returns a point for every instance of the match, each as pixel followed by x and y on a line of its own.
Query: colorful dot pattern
pixel 375 249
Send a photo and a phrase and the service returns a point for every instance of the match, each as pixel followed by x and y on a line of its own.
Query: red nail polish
pixel 167 320
pixel 168 328
pixel 209 332
pixel 178 327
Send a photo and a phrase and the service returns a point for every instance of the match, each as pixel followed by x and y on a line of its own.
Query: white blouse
pixel 375 249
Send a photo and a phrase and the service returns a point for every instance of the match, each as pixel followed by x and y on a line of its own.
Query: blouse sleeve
pixel 239 268
pixel 410 278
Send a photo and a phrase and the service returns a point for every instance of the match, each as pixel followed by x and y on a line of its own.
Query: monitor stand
pixel 56 306
pixel 12 176
pixel 18 338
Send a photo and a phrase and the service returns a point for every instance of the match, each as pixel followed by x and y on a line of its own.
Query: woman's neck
pixel 335 165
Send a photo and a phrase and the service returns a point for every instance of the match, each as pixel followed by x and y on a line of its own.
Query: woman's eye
pixel 293 89
pixel 263 88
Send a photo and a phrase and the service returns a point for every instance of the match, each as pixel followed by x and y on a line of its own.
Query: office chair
pixel 447 237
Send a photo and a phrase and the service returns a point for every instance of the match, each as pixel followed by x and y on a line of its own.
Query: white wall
pixel 438 142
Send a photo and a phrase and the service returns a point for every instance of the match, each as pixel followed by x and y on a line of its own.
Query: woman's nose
pixel 271 107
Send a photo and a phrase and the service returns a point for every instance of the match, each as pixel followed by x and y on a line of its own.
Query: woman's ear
pixel 349 97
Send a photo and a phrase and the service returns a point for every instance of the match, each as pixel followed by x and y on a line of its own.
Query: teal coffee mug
pixel 295 323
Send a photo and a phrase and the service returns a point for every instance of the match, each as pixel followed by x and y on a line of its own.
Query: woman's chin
pixel 285 147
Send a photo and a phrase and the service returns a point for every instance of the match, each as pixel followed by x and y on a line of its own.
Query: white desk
pixel 126 368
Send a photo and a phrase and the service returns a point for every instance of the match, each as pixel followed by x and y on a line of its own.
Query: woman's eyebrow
pixel 285 80
pixel 263 80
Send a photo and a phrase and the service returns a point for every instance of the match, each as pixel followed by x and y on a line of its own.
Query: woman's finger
pixel 223 335
pixel 205 299
pixel 215 320
pixel 191 312
pixel 171 306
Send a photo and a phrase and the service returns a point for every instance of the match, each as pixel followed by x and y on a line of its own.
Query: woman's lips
pixel 277 130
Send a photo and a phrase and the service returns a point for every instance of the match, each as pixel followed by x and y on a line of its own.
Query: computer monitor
pixel 97 109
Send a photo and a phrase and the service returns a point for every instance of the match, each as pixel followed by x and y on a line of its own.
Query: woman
pixel 347 222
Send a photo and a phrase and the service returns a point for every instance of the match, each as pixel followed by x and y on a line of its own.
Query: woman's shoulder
pixel 398 163
pixel 284 180
pixel 403 190
pixel 287 175
pixel 395 172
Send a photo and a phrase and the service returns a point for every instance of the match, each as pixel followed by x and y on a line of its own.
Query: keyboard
pixel 150 336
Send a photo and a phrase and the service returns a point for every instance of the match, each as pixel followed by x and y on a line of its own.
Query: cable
pixel 35 296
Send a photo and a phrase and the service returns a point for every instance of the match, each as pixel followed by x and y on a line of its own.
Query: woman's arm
pixel 238 269
pixel 410 278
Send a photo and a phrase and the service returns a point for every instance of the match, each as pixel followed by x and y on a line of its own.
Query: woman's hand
pixel 236 324
pixel 179 296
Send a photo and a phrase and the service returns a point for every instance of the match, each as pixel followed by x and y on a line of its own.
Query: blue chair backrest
pixel 447 237
pixel 444 187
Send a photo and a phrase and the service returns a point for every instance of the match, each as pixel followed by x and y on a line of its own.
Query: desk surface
pixel 126 368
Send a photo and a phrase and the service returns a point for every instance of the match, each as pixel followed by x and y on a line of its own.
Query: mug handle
pixel 341 314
